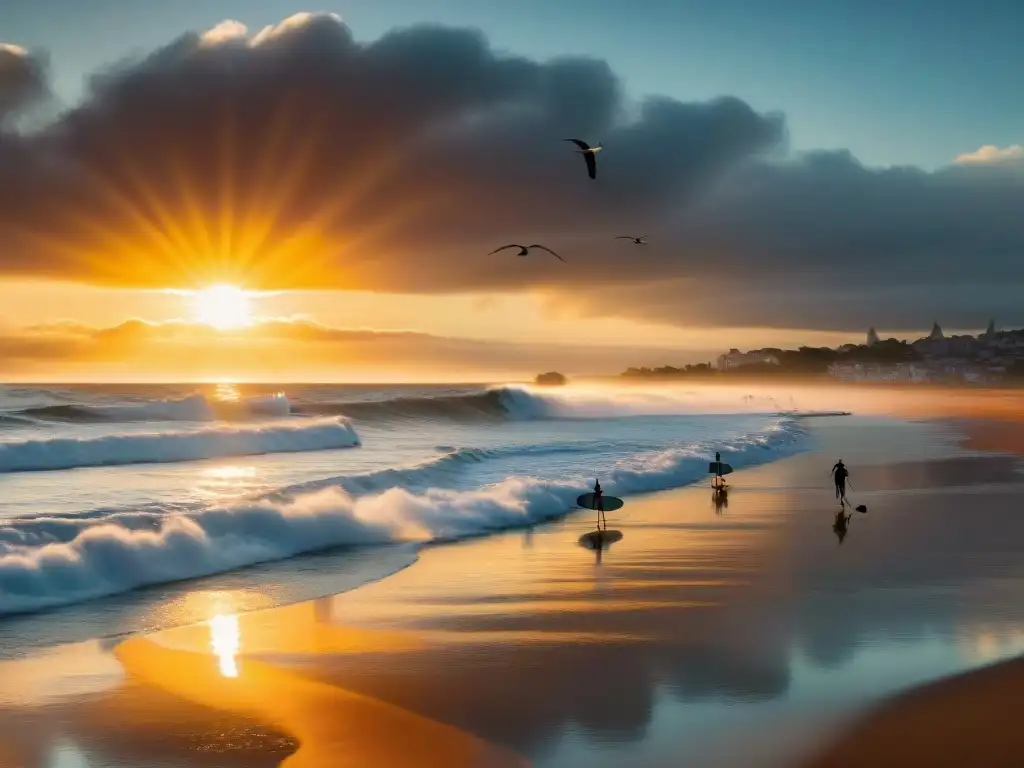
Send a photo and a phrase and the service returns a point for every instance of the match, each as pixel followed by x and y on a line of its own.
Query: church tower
pixel 872 337
pixel 936 334
pixel 991 330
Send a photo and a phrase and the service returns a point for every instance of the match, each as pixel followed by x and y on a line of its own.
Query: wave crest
pixel 166 447
pixel 527 403
pixel 191 408
pixel 495 404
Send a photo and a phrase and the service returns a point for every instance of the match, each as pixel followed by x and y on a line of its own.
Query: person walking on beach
pixel 598 502
pixel 718 481
pixel 839 475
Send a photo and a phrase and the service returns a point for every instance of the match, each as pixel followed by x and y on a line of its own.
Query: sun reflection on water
pixel 229 472
pixel 227 481
pixel 227 392
pixel 225 639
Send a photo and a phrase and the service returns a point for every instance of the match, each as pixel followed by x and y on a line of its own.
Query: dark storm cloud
pixel 298 157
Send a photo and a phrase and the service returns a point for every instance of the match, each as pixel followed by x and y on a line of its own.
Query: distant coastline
pixel 992 358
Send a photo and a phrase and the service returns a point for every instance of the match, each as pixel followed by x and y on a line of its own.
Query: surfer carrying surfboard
pixel 719 470
pixel 599 503
pixel 839 475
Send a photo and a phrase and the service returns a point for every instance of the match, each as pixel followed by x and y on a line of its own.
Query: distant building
pixel 736 359
pixel 872 337
pixel 961 346
pixel 991 330
pixel 935 344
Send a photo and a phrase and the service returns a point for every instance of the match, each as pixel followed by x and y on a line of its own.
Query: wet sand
pixel 741 634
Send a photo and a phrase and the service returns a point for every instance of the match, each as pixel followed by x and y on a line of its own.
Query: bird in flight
pixel 642 240
pixel 525 249
pixel 589 155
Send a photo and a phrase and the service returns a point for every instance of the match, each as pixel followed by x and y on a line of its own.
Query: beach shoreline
pixel 484 649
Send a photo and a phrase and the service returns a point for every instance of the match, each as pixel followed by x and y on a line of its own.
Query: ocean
pixel 117 498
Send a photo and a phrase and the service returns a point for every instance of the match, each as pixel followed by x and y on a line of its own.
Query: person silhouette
pixel 718 481
pixel 599 503
pixel 839 474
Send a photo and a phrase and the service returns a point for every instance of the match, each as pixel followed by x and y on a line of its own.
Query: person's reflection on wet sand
pixel 840 525
pixel 720 498
pixel 599 541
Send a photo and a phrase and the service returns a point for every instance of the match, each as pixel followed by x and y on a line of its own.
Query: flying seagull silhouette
pixel 642 240
pixel 589 155
pixel 525 249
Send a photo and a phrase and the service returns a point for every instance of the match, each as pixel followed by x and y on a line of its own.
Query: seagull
pixel 589 155
pixel 642 240
pixel 525 249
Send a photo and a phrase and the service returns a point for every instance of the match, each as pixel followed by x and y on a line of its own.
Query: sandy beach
pixel 745 634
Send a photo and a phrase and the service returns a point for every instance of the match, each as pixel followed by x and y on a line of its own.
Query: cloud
pixel 226 31
pixel 290 347
pixel 22 80
pixel 297 157
pixel 821 241
pixel 989 153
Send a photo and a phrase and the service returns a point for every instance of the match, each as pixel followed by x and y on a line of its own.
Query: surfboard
pixel 599 539
pixel 609 503
pixel 714 465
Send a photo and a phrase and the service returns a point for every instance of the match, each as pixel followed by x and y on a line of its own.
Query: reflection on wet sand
pixel 55 674
pixel 332 726
pixel 841 525
pixel 599 542
pixel 720 500
pixel 225 642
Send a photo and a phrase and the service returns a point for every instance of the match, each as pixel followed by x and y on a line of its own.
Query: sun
pixel 224 307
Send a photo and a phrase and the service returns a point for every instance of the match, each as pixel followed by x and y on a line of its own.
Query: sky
pixel 804 170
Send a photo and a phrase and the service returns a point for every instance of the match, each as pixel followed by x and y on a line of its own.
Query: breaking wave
pixel 495 404
pixel 525 403
pixel 164 447
pixel 192 408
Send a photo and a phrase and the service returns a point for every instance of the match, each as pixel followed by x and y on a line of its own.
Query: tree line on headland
pixel 811 362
